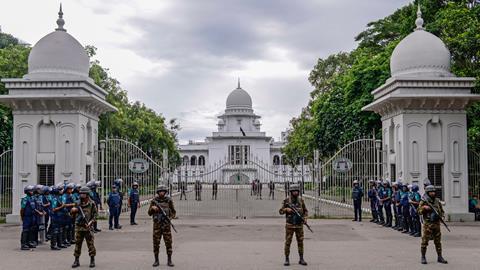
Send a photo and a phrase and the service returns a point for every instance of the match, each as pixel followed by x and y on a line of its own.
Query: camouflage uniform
pixel 431 225
pixel 293 223
pixel 82 232
pixel 161 227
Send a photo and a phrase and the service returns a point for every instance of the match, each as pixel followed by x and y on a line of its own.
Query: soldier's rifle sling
pixel 436 213
pixel 165 215
pixel 299 215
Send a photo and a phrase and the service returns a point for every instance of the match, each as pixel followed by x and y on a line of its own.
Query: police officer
pixel 119 183
pixel 214 190
pixel 386 200
pixel 27 210
pixel 39 229
pixel 380 190
pixel 69 201
pixel 394 204
pixel 431 223
pixel 56 215
pixel 183 190
pixel 161 225
pixel 46 205
pixel 357 195
pixel 198 190
pixel 114 203
pixel 373 197
pixel 85 214
pixel 407 221
pixel 294 224
pixel 133 202
pixel 414 201
pixel 398 199
pixel 271 187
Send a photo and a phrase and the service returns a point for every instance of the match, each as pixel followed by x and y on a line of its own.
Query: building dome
pixel 221 122
pixel 58 55
pixel 239 99
pixel 420 54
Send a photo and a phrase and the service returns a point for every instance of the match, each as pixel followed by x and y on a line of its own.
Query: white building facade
pixel 55 116
pixel 424 123
pixel 238 142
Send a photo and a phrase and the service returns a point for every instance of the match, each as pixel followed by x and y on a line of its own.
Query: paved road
pixel 204 243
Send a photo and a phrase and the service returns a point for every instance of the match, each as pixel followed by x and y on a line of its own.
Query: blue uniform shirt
pixel 114 199
pixel 134 196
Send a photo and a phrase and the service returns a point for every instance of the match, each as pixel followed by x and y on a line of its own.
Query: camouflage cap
pixel 84 190
pixel 162 188
pixel 429 188
pixel 294 187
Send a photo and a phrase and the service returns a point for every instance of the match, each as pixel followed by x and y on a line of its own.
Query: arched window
pixel 284 160
pixel 276 160
pixel 201 160
pixel 193 160
pixel 185 160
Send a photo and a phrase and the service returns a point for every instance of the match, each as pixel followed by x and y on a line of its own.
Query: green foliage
pixel 343 81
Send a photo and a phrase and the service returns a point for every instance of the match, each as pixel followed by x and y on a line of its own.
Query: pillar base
pixel 13 219
pixel 460 217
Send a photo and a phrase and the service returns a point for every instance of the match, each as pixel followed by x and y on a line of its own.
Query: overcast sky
pixel 182 58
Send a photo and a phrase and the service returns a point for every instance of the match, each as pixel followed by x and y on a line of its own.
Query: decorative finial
pixel 238 85
pixel 60 21
pixel 419 20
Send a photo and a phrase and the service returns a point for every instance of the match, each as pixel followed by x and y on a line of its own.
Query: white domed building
pixel 238 141
pixel 55 115
pixel 424 123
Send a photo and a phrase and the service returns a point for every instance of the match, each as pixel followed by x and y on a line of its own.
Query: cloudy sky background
pixel 182 57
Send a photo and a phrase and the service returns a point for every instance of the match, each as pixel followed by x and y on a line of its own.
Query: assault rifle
pixel 436 213
pixel 295 211
pixel 162 213
pixel 87 225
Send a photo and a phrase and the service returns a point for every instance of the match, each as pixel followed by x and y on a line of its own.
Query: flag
pixel 243 132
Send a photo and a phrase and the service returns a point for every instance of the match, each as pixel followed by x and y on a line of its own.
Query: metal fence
pixel 473 173
pixel 6 182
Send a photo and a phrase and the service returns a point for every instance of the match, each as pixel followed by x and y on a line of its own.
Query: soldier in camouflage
pixel 83 226
pixel 431 223
pixel 161 225
pixel 294 222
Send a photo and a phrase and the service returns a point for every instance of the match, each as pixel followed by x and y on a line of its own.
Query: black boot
pixel 24 241
pixel 424 252
pixel 287 261
pixel 169 260
pixel 53 242
pixel 92 261
pixel 76 263
pixel 440 258
pixel 156 263
pixel 302 261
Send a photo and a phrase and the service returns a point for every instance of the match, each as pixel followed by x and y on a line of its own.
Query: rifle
pixel 89 227
pixel 162 212
pixel 436 213
pixel 295 211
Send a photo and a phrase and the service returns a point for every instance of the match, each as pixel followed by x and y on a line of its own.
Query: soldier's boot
pixel 424 252
pixel 156 263
pixel 76 263
pixel 302 261
pixel 24 240
pixel 440 258
pixel 53 242
pixel 92 261
pixel 169 260
pixel 287 261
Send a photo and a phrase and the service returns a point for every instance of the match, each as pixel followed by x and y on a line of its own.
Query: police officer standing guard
pixel 114 203
pixel 357 195
pixel 294 222
pixel 431 223
pixel 133 202
pixel 85 215
pixel 162 210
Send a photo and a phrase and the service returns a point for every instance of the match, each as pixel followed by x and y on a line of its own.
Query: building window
pixel 393 172
pixel 193 160
pixel 284 160
pixel 276 160
pixel 46 175
pixel 238 154
pixel 88 173
pixel 435 175
pixel 185 160
pixel 201 160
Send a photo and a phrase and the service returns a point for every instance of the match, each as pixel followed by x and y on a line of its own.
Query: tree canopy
pixel 133 121
pixel 342 82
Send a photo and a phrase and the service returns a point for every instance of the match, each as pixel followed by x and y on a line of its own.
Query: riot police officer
pixel 373 197
pixel 162 211
pixel 114 203
pixel 27 210
pixel 380 190
pixel 386 200
pixel 68 201
pixel 133 202
pixel 56 215
pixel 119 183
pixel 414 200
pixel 294 223
pixel 357 195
